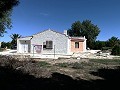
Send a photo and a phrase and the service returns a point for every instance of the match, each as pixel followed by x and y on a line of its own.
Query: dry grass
pixel 29 74
pixel 44 68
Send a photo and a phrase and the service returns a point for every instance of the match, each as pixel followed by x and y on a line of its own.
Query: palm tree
pixel 14 40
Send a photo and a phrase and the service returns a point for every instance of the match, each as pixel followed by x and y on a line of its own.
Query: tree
pixel 116 50
pixel 5 44
pixel 6 7
pixel 99 45
pixel 113 41
pixel 87 29
pixel 76 29
pixel 14 40
pixel 90 31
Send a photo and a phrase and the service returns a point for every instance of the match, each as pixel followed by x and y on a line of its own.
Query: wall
pixel 22 41
pixel 0 44
pixel 80 49
pixel 60 42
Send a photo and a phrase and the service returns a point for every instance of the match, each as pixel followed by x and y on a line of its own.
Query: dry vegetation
pixel 76 71
pixel 71 67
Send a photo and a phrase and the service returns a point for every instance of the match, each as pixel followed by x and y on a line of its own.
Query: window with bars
pixel 76 44
pixel 48 45
pixel 44 45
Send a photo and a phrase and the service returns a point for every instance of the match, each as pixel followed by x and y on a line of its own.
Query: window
pixel 49 44
pixel 44 45
pixel 76 44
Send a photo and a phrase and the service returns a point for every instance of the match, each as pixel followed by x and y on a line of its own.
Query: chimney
pixel 65 32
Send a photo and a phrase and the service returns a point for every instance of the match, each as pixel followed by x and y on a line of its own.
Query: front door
pixel 24 48
pixel 38 48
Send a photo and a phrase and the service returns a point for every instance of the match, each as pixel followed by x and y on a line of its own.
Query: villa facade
pixel 51 42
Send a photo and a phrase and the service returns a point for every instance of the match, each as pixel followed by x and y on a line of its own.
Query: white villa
pixel 51 42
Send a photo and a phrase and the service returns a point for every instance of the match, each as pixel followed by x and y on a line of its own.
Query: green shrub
pixel 106 48
pixel 43 63
pixel 63 64
pixel 116 50
pixel 1 49
pixel 77 65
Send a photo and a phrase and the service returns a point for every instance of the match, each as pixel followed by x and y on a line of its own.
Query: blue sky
pixel 33 16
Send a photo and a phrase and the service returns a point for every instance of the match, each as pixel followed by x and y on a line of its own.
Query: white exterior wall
pixel 84 46
pixel 69 47
pixel 18 46
pixel 23 41
pixel 0 44
pixel 60 42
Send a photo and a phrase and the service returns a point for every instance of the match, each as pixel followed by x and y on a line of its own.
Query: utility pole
pixel 54 51
pixel 33 50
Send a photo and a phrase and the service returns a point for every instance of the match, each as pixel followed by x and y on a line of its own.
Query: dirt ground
pixel 75 68
pixel 61 74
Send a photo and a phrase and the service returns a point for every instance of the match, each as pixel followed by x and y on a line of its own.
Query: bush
pixel 116 50
pixel 106 48
pixel 63 64
pixel 6 44
pixel 1 49
pixel 77 65
pixel 43 63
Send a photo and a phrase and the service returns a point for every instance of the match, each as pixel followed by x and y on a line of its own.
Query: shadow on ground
pixel 111 78
pixel 11 79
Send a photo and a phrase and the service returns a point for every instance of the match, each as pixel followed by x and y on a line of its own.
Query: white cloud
pixel 44 14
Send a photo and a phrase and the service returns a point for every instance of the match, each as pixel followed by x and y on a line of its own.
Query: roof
pixel 77 38
pixel 29 37
pixel 25 38
pixel 72 38
pixel 52 31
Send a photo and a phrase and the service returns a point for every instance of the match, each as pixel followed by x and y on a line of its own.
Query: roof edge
pixel 52 31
